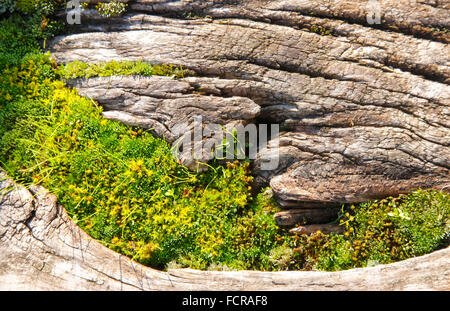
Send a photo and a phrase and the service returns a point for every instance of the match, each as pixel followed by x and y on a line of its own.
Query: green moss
pixel 320 30
pixel 382 232
pixel 43 7
pixel 112 8
pixel 105 69
pixel 121 184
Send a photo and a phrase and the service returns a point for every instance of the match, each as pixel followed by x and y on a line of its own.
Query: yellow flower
pixel 8 97
pixel 59 95
pixel 137 166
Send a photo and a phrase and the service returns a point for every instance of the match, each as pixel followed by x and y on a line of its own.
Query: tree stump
pixel 364 109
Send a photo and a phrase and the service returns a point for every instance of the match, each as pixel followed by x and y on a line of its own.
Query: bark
pixel 42 249
pixel 364 108
pixel 306 216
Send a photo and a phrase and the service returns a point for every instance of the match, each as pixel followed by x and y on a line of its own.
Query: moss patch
pixel 123 187
pixel 105 69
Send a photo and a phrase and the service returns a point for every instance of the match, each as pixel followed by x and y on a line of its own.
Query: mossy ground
pixel 123 187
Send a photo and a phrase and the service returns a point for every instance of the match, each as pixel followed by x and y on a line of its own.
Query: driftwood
pixel 169 107
pixel 42 249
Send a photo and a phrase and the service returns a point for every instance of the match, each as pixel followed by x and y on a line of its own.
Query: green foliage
pixel 122 185
pixel 22 34
pixel 7 6
pixel 26 6
pixel 443 30
pixel 320 30
pixel 17 38
pixel 42 7
pixel 105 69
pixel 112 8
pixel 382 232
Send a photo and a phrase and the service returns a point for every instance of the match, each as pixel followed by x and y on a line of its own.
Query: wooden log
pixel 306 205
pixel 364 118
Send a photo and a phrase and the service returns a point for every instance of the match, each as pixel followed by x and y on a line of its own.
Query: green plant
pixel 231 142
pixel 382 232
pixel 7 6
pixel 320 30
pixel 124 188
pixel 42 7
pixel 121 184
pixel 16 39
pixel 105 69
pixel 19 33
pixel 112 8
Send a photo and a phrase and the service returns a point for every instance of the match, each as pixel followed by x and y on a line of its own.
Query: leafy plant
pixel 381 232
pixel 7 6
pixel 320 30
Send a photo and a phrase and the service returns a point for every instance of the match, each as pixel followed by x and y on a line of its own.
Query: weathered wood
pixel 42 249
pixel 169 107
pixel 364 107
pixel 306 216
pixel 324 228
pixel 302 205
